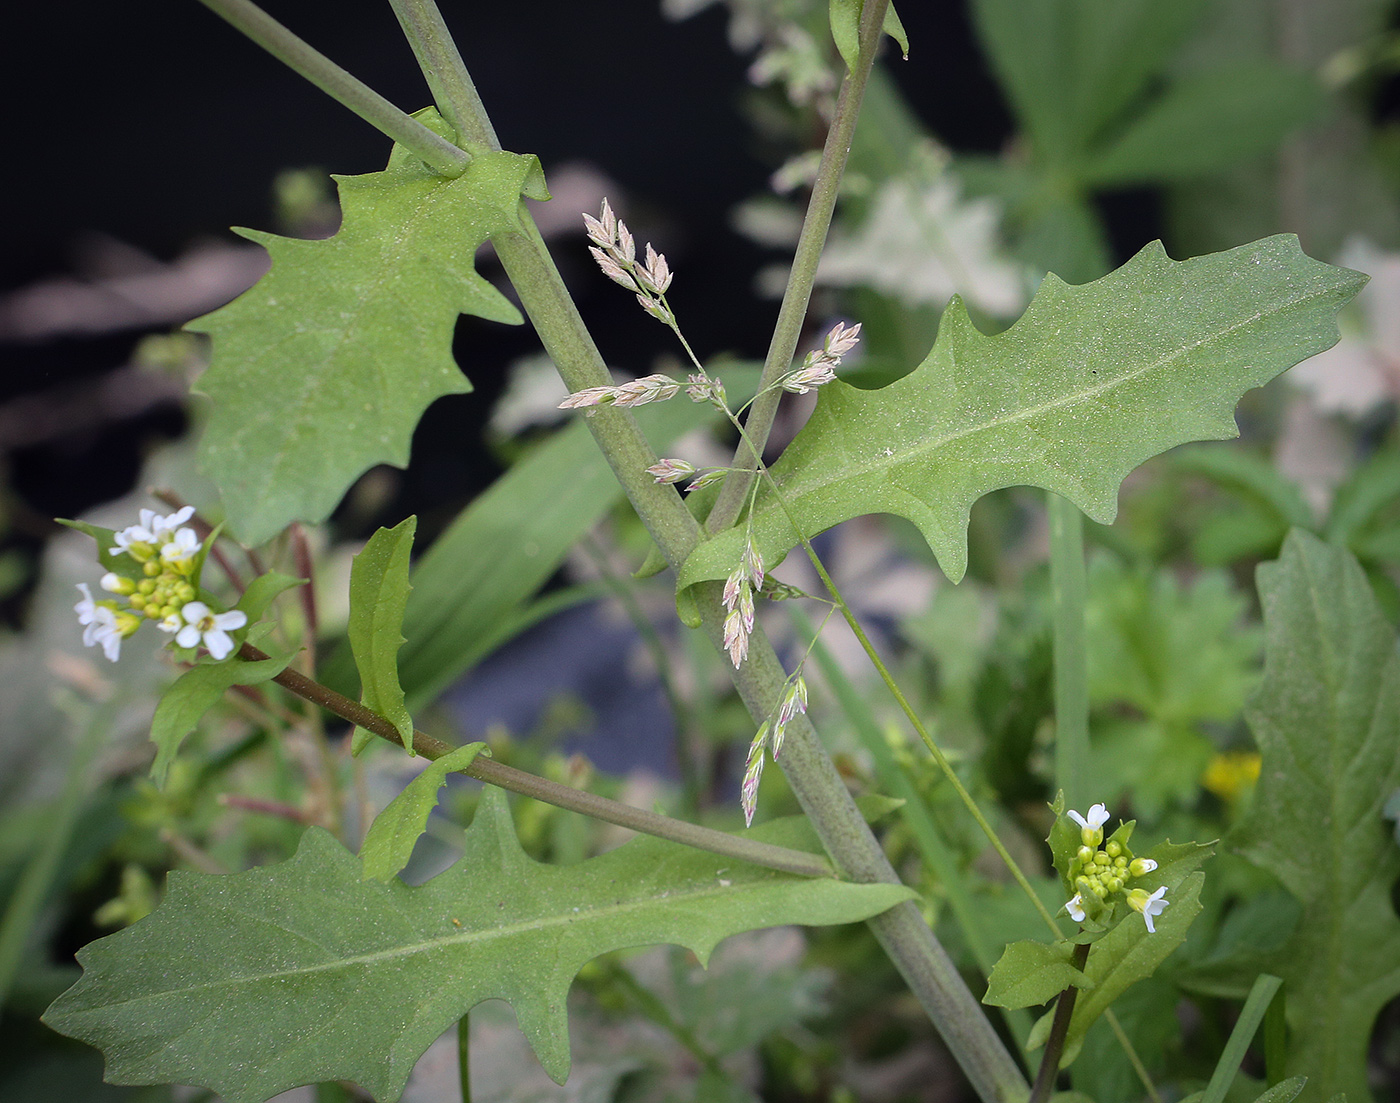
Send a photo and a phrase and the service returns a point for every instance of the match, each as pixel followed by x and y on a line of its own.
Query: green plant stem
pixel 1059 1030
pixel 439 154
pixel 1261 994
pixel 464 1060
pixel 901 931
pixel 453 91
pixel 1130 1051
pixel 969 802
pixel 1068 586
pixel 551 792
pixel 798 293
pixel 915 812
pixel 652 1007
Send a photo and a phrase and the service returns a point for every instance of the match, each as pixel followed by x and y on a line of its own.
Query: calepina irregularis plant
pixel 328 966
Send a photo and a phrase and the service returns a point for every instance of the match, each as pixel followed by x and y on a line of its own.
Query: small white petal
pixel 219 643
pixel 188 636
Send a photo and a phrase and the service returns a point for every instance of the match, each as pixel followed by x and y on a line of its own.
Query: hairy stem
pixel 798 293
pixel 440 155
pixel 551 792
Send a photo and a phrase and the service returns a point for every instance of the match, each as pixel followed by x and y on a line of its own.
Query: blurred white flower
pixel 1363 368
pixel 922 244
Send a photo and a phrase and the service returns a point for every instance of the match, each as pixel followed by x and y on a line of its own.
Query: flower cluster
pixel 649 388
pixel 770 736
pixel 1102 872
pixel 820 365
pixel 675 471
pixel 616 253
pixel 162 588
pixel 739 589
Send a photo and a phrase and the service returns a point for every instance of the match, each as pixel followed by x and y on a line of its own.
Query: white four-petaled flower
pixel 203 625
pixel 99 625
pixel 1098 816
pixel 181 546
pixel 1075 906
pixel 1091 829
pixel 1149 905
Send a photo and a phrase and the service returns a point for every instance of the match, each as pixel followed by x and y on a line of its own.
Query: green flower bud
pixel 1085 855
pixel 150 569
pixel 146 586
pixel 1120 862
pixel 1141 866
pixel 1114 848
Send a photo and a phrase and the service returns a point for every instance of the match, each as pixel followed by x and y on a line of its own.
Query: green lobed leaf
pixel 194 693
pixel 256 982
pixel 1090 382
pixel 391 837
pixel 378 595
pixel 323 369
pixel 1031 973
pixel 1327 721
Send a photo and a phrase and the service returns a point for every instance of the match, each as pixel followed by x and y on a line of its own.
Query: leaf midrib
pixel 464 937
pixel 926 446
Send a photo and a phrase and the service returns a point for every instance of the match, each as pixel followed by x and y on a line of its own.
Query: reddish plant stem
pixel 1059 1030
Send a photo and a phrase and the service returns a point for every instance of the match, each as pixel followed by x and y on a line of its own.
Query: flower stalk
pixel 551 792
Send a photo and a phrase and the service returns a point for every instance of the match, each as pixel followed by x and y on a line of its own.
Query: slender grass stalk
pixel 798 293
pixel 915 813
pixel 551 792
pixel 652 1007
pixel 915 721
pixel 1068 586
pixel 439 154
pixel 686 742
pixel 464 1056
pixel 1130 1051
pixel 1261 994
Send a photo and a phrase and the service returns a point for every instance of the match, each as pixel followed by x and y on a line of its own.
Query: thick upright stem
pixel 855 851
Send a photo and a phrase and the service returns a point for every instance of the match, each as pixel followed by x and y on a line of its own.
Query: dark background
pixel 158 125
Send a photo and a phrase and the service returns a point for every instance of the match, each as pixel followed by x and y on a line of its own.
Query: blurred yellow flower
pixel 1232 774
